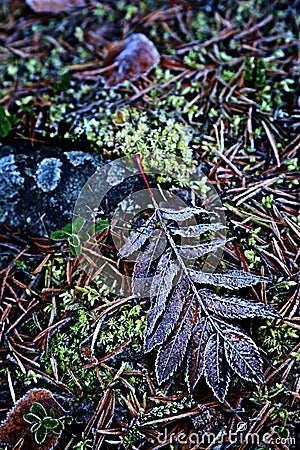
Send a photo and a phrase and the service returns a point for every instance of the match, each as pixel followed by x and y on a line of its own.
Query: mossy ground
pixel 224 96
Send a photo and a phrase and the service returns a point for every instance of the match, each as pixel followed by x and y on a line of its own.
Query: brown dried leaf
pixel 55 6
pixel 129 59
pixel 15 427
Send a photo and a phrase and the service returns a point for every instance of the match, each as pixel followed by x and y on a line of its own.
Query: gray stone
pixel 39 185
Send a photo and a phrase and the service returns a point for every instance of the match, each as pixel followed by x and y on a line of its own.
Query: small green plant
pixel 42 423
pixel 55 272
pixel 281 430
pixel 292 164
pixel 277 339
pixel 132 436
pixel 29 421
pixel 252 256
pixel 64 82
pixel 268 201
pixel 128 324
pixel 264 394
pixel 7 122
pixel 76 236
pixel 255 71
pixel 84 444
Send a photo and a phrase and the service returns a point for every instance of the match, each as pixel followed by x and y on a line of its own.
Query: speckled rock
pixel 39 185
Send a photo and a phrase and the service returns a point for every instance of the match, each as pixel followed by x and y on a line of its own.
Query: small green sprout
pixel 264 394
pixel 268 201
pixel 84 444
pixel 7 122
pixel 76 236
pixel 281 430
pixel 252 256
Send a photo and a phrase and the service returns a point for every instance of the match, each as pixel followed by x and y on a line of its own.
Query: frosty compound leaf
pixel 184 319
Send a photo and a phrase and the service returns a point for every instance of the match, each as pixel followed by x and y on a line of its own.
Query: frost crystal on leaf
pixel 173 350
pixel 236 307
pixel 161 286
pixel 232 279
pixel 137 239
pixel 170 316
pixel 181 214
pixel 196 251
pixel 242 354
pixel 200 335
pixel 196 230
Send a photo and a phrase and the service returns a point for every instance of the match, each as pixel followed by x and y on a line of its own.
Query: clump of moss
pixel 65 352
pixel 277 339
pixel 65 358
pixel 163 143
pixel 127 324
